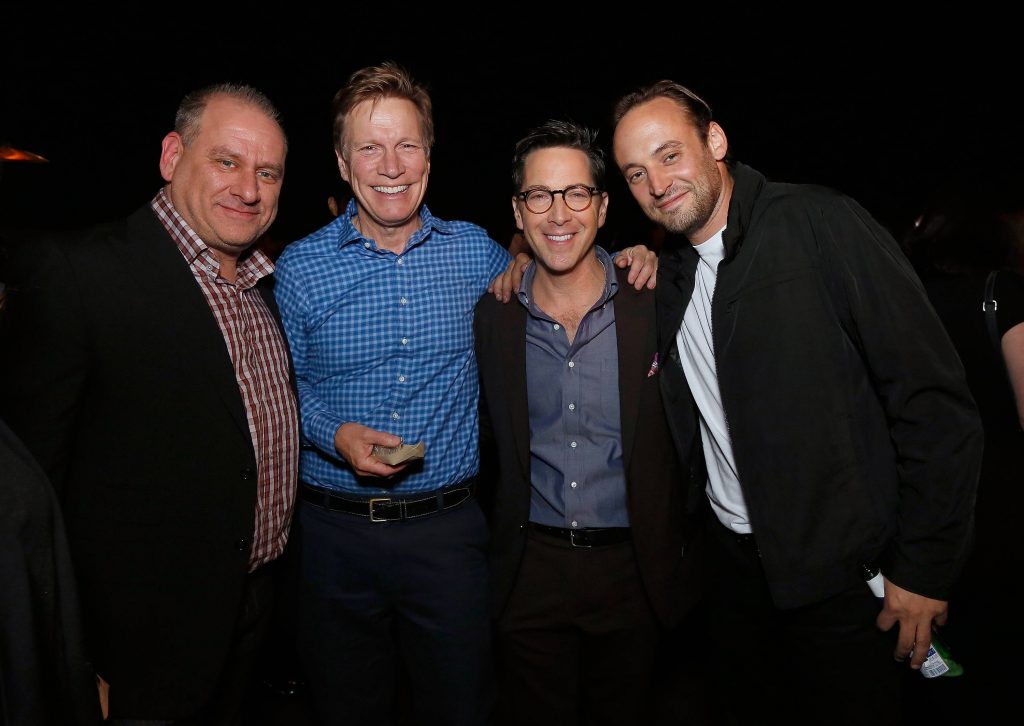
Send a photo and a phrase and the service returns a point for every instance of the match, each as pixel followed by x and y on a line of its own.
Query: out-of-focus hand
pixel 355 443
pixel 507 283
pixel 104 690
pixel 915 615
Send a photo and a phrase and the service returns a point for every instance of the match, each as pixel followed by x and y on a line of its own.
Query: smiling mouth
pixel 559 237
pixel 391 190
pixel 662 204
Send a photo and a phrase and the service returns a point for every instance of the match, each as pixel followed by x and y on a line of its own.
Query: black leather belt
pixel 389 509
pixel 586 537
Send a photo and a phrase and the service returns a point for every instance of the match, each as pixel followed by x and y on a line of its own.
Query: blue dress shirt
pixel 386 341
pixel 577 474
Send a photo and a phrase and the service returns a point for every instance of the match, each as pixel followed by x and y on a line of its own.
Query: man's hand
pixel 507 283
pixel 355 443
pixel 915 614
pixel 643 266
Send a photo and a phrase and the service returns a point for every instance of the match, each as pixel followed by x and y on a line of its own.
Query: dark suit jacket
pixel 119 382
pixel 45 678
pixel 654 479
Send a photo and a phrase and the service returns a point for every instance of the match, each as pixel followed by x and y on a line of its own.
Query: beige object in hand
pixel 395 455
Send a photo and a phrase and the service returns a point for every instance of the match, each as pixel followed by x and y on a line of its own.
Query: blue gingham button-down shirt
pixel 386 340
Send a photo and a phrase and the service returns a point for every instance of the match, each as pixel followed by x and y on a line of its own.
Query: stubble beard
pixel 687 220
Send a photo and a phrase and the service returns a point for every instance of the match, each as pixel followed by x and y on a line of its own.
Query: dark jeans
pixel 822 663
pixel 378 595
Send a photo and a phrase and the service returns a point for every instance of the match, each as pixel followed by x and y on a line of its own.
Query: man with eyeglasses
pixel 800 353
pixel 587 554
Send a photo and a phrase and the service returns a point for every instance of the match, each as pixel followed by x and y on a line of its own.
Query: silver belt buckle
pixel 386 500
pixel 572 540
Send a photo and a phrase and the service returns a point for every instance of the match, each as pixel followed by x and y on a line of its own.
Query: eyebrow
pixel 667 145
pixel 231 153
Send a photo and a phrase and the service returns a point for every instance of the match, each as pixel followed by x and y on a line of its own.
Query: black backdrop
pixel 887 113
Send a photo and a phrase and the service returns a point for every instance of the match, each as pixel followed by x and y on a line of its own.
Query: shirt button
pixel 401 379
pixel 557 326
pixel 572 484
pixel 401 261
pixel 573 444
pixel 366 245
pixel 405 341
pixel 402 301
pixel 572 406
pixel 575 523
pixel 394 415
pixel 571 364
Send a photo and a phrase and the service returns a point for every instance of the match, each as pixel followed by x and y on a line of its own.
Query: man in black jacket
pixel 802 358
pixel 145 370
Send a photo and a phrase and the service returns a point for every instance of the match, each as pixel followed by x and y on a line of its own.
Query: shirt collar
pixel 252 266
pixel 348 234
pixel 611 284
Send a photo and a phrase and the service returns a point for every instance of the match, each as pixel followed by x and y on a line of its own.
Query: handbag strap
pixel 989 306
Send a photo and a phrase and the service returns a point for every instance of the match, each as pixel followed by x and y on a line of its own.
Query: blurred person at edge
pixel 955 243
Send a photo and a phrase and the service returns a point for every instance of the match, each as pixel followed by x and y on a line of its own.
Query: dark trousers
pixel 376 596
pixel 226 707
pixel 577 640
pixel 821 663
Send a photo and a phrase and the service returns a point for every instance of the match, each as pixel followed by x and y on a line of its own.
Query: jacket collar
pixel 747 186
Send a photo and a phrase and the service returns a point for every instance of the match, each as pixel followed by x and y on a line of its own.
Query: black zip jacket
pixel 855 437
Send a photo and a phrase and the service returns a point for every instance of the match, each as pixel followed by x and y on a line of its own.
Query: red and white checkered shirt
pixel 260 359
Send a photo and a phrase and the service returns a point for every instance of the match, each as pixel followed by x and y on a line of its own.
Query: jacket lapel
pixel 179 306
pixel 513 343
pixel 636 354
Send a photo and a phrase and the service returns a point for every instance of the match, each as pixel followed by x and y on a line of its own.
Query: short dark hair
pixel 375 83
pixel 190 110
pixel 696 107
pixel 557 134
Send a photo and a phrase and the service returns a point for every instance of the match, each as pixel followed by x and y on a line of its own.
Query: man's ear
pixel 342 165
pixel 515 212
pixel 717 141
pixel 171 150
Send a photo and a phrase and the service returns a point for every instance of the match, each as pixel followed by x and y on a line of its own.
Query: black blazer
pixel 119 382
pixel 654 478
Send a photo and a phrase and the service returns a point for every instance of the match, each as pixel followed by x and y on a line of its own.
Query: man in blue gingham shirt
pixel 378 310
pixel 386 340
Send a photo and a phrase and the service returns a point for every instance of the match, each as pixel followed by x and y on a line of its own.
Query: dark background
pixel 886 112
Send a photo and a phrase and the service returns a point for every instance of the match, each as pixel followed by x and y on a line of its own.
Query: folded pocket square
pixel 654 366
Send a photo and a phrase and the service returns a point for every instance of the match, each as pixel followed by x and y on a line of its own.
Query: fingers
pixel 372 466
pixel 643 270
pixel 922 643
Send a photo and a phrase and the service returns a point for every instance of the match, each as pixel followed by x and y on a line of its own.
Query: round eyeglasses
pixel 577 198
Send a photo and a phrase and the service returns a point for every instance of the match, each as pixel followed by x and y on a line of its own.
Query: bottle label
pixel 933 665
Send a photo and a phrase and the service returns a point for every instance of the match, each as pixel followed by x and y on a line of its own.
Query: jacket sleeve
pixel 919 380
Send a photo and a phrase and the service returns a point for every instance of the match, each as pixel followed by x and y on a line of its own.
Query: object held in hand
pixel 395 455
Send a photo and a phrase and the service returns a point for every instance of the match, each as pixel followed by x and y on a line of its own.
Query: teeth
pixel 391 190
pixel 559 237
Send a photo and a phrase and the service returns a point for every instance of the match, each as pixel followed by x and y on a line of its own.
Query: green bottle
pixel 938 661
